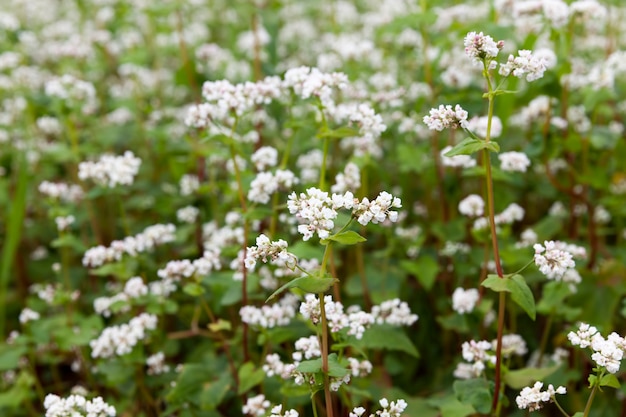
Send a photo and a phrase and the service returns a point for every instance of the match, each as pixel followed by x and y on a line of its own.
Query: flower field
pixel 312 208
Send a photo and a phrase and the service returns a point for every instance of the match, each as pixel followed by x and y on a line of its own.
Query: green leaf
pixel 592 380
pixel 610 380
pixel 475 392
pixel 387 337
pixel 497 284
pixel 194 289
pixel 521 378
pixel 467 146
pixel 19 392
pixel 348 237
pixel 425 268
pixel 516 285
pixel 523 296
pixel 10 356
pixel 306 283
pixel 123 269
pixel 342 132
pixel 214 392
pixel 310 367
pixel 249 377
pixel 69 241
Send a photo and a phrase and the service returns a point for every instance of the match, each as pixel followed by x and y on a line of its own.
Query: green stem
pixel 592 395
pixel 324 349
pixel 560 408
pixel 544 338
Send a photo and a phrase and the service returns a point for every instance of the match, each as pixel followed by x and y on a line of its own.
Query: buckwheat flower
pixel 552 261
pixel 583 336
pixel 473 351
pixel 156 364
pixel 512 213
pixel 28 315
pixel 61 191
pixel 601 215
pixel 456 161
pixel 63 222
pixel 480 47
pixel 314 210
pixel 446 117
pixel 464 301
pixel 264 157
pixel 264 249
pixel 135 287
pixel 607 353
pixel 525 64
pixel 277 411
pixel 527 238
pixel 533 398
pixel 77 406
pixel 514 161
pixel 478 125
pixel 394 312
pixel 189 184
pixel 49 125
pixel 466 370
pixel 378 210
pixel 187 214
pixel 256 406
pixel 274 366
pixel 110 170
pixel 269 316
pixel 357 412
pixel 472 206
pixel 309 347
pixel 120 339
pixel 512 344
pixel 262 187
pixel 361 369
pixel 348 180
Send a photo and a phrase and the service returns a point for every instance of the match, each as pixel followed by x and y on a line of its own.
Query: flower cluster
pixel 120 340
pixel 77 406
pixel 264 249
pixel 463 301
pixel 514 161
pixel 256 406
pixel 472 206
pixel 446 117
pixel 269 316
pixel 533 398
pixel 390 409
pixel 70 193
pixel 156 364
pixel 553 259
pixel 111 170
pixel 481 47
pixel 317 210
pixel 145 241
pixel 525 64
pixel 607 353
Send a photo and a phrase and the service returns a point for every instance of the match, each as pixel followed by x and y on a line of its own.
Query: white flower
pixel 463 301
pixel 110 171
pixel 472 206
pixel 264 157
pixel 256 406
pixel 28 315
pixel 514 161
pixel 479 46
pixel 552 260
pixel 264 249
pixel 583 335
pixel 446 117
pixel 525 64
pixel 533 398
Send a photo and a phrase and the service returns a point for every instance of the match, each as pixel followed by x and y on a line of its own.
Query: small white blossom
pixel 514 161
pixel 533 398
pixel 446 117
pixel 552 260
pixel 463 301
pixel 472 206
